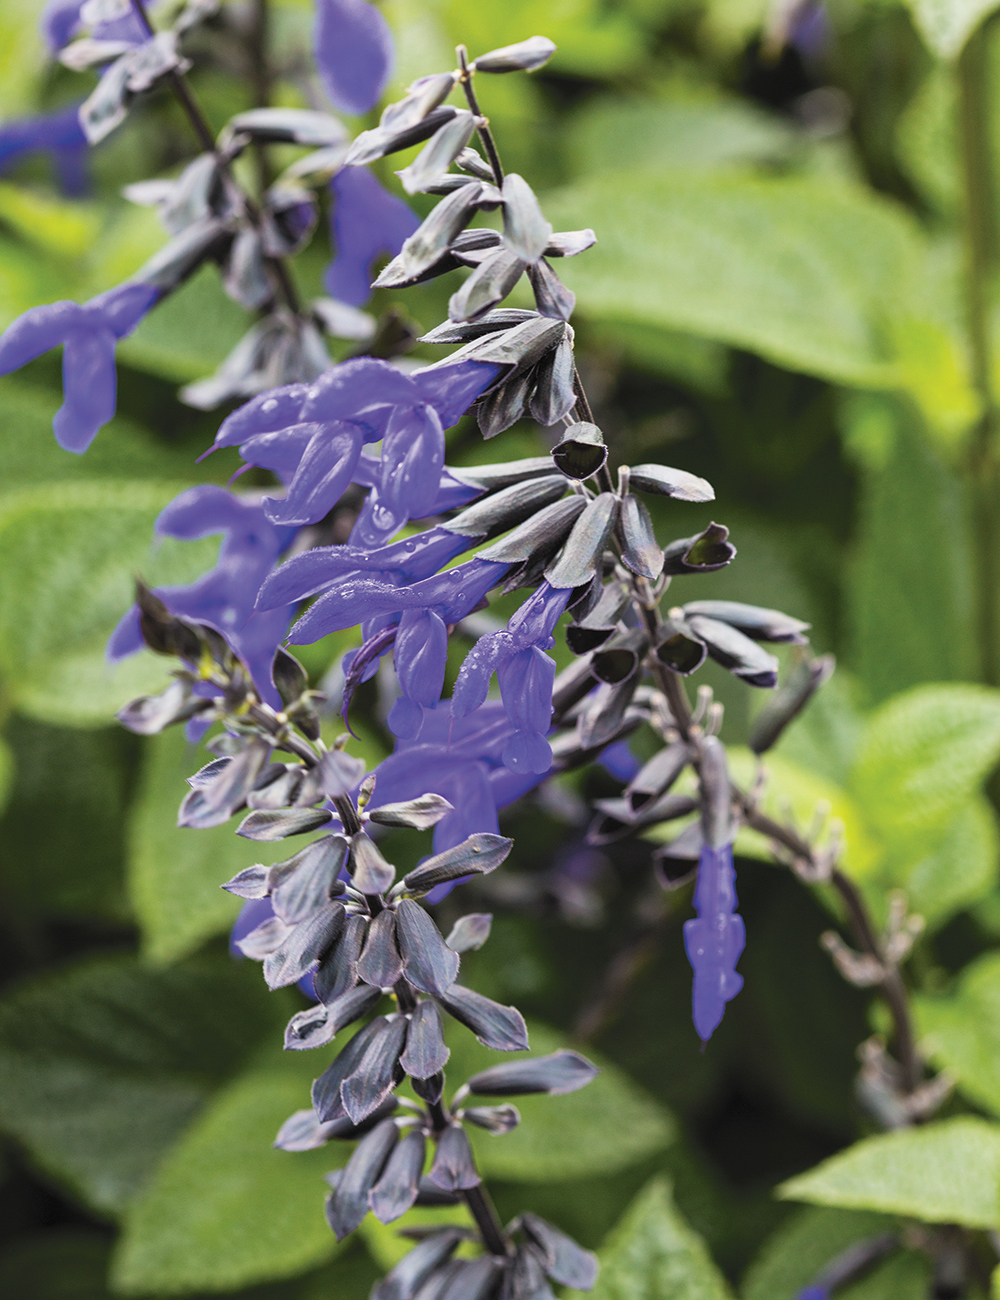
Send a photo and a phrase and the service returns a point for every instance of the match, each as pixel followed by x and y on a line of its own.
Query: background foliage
pixel 776 302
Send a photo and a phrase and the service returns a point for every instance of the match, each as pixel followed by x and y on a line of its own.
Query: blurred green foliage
pixel 777 302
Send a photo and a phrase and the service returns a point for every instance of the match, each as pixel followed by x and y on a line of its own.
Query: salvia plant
pixel 429 543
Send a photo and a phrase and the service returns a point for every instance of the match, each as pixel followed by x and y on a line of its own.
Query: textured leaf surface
pixel 909 591
pixel 925 752
pixel 947 1172
pixel 102 1066
pixel 562 1137
pixel 963 1030
pixel 947 24
pixel 123 450
pixel 653 1254
pixel 806 1243
pixel 225 1209
pixel 69 553
pixel 801 271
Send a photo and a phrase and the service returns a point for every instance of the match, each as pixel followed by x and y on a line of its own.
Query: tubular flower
pixel 223 597
pixel 88 333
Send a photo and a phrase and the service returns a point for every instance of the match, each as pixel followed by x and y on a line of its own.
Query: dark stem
pixel 622 972
pixel 892 986
pixel 487 1220
pixel 201 128
pixel 980 239
pixel 484 132
pixel 260 78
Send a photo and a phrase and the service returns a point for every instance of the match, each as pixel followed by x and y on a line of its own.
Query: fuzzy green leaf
pixel 225 1208
pixel 568 1136
pixel 103 1065
pixel 947 1172
pixel 69 553
pixel 653 1254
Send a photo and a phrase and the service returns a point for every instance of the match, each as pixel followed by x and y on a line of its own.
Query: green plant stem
pixel 980 239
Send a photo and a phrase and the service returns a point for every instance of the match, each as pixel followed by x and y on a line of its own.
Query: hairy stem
pixel 980 239
pixel 484 132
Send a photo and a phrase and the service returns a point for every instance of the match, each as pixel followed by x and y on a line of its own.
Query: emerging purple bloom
pixel 525 674
pixel 88 333
pixel 224 596
pixel 366 221
pixel 58 134
pixel 715 940
pixel 815 1293
pixel 353 53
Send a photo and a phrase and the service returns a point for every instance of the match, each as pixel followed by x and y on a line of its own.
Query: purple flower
pixel 619 761
pixel 353 53
pixel 715 940
pixel 365 222
pixel 61 21
pixel 58 134
pixel 224 596
pixel 88 333
pixel 312 436
pixel 815 1293
pixel 461 759
pixel 452 595
pixel 525 674
pixel 406 561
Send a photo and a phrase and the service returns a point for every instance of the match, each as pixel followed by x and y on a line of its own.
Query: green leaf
pixel 76 859
pixel 122 449
pixel 962 1030
pixel 702 133
pixel 225 1209
pixel 802 1247
pixel 103 1065
pixel 958 872
pixel 22 55
pixel 801 271
pixel 70 553
pixel 54 225
pixel 946 25
pixel 947 1172
pixel 175 874
pixel 924 754
pixel 801 790
pixel 910 599
pixel 568 1136
pixel 6 773
pixel 190 333
pixel 653 1254
pixel 592 39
